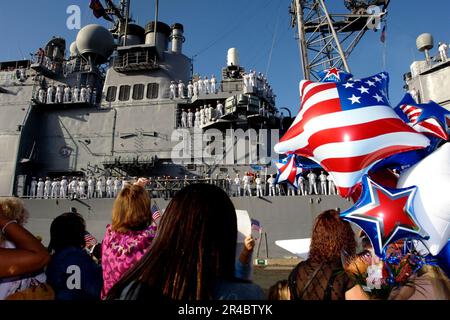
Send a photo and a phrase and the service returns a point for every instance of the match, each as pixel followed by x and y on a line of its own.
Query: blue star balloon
pixel 334 75
pixel 386 215
pixel 428 118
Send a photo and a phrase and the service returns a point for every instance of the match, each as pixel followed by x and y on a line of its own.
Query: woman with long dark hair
pixel 193 255
pixel 321 276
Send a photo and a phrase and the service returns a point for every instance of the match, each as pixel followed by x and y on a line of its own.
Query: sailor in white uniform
pixel 246 82
pixel 100 188
pixel 291 190
pixel 63 188
pixel 312 183
pixel 50 92
pixel 41 95
pixel 209 112
pixel 173 90
pixel 331 187
pixel 207 85
pixel 259 190
pixel 271 182
pixel 195 88
pixel 181 87
pixel 47 188
pixel 117 187
pixel 33 187
pixel 82 189
pixel 91 187
pixel 190 88
pixel 443 47
pixel 219 110
pixel 197 119
pixel 109 188
pixel 301 185
pixel 202 117
pixel 66 94
pixel 183 118
pixel 83 94
pixel 88 94
pixel 55 189
pixel 75 94
pixel 201 86
pixel 323 183
pixel 213 84
pixel 252 79
pixel 237 183
pixel 73 188
pixel 40 188
pixel 247 184
pixel 59 94
pixel 190 119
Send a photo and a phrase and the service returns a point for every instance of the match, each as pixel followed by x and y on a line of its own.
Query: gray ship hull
pixel 282 218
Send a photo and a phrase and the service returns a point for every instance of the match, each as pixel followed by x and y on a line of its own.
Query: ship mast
pixel 326 40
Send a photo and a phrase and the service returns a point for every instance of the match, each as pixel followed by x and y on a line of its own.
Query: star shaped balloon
pixel 429 118
pixel 334 75
pixel 386 215
pixel 347 128
pixel 288 171
pixel 432 202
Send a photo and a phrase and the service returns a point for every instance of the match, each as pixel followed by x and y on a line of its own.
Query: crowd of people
pixel 65 94
pixel 249 185
pixel 190 254
pixel 197 118
pixel 194 88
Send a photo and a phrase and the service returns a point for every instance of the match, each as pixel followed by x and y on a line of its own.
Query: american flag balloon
pixel 429 118
pixel 347 128
pixel 288 171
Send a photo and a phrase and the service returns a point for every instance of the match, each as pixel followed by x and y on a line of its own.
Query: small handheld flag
pixel 156 214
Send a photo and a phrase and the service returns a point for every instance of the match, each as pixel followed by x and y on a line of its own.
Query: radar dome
pixel 96 42
pixel 425 42
pixel 74 50
pixel 233 57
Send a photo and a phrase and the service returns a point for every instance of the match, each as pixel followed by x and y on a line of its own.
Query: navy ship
pixel 123 103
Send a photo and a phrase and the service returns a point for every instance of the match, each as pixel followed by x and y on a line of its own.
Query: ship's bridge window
pixel 152 90
pixel 138 92
pixel 111 94
pixel 124 93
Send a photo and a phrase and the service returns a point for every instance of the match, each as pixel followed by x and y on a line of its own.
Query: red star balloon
pixel 386 215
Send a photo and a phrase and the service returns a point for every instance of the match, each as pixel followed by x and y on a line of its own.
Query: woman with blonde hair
pixel 431 283
pixel 130 234
pixel 280 291
pixel 22 256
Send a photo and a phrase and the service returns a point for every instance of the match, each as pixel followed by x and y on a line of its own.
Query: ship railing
pixel 135 60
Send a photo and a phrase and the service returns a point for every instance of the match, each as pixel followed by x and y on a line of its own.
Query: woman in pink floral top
pixel 130 235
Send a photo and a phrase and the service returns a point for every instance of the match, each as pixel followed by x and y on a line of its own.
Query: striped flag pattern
pixel 347 128
pixel 156 214
pixel 288 171
pixel 90 240
pixel 428 125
